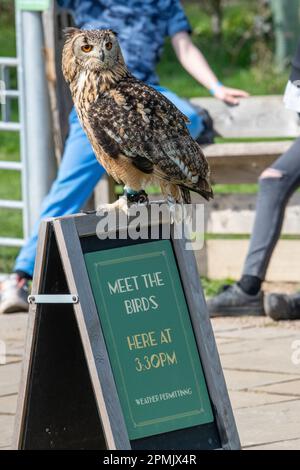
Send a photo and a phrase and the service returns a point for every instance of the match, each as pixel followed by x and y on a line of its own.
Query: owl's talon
pixel 120 205
pixel 177 211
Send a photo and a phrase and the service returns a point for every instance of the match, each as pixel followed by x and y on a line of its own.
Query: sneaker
pixel 234 301
pixel 283 306
pixel 13 294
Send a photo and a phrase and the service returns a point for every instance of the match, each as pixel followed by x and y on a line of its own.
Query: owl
pixel 137 134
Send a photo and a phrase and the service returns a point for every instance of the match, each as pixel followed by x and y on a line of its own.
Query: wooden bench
pixel 258 117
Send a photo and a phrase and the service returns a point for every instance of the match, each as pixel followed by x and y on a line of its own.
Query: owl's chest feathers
pixel 85 91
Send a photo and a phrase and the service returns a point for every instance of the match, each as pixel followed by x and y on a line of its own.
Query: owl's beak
pixel 102 56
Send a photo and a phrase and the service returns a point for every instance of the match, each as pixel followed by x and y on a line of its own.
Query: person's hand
pixel 229 95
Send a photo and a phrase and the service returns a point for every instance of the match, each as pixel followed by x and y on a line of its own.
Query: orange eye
pixel 108 46
pixel 87 48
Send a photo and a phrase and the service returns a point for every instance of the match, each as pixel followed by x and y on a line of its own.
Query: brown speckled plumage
pixel 137 134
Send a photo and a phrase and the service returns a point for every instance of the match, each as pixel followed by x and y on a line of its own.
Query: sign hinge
pixel 53 299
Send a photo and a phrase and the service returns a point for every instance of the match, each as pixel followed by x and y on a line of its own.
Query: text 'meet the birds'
pixel 150 340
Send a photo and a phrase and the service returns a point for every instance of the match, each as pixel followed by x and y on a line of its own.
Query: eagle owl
pixel 137 134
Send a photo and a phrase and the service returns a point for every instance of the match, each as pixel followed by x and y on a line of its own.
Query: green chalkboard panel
pixel 149 337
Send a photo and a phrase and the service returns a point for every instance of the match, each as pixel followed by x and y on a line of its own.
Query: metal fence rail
pixel 17 166
pixel 6 124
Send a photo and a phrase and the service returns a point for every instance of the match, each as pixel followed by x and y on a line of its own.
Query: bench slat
pixel 247 149
pixel 242 162
pixel 230 214
pixel 284 265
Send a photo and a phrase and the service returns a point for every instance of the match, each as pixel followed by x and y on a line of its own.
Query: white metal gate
pixel 7 95
pixel 34 126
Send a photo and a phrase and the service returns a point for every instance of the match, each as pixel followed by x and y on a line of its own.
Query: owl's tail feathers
pixel 204 189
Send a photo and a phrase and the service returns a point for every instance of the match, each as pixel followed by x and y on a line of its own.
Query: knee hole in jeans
pixel 271 173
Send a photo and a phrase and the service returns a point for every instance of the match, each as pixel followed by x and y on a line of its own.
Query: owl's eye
pixel 108 45
pixel 87 48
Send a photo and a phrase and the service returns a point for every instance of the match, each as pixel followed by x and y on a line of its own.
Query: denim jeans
pixel 273 196
pixel 79 173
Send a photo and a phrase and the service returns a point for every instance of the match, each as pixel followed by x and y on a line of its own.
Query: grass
pixel 10 188
pixel 212 286
pixel 236 66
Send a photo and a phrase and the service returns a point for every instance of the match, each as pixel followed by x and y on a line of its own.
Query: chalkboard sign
pixel 129 361
pixel 150 339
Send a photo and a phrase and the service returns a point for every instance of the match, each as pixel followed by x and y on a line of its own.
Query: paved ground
pixel 261 365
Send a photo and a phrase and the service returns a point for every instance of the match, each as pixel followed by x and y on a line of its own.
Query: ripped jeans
pixel 276 185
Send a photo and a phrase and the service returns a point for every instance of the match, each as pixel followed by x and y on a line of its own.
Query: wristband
pixel 213 90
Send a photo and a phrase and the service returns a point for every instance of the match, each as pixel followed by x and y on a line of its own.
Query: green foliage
pixel 244 59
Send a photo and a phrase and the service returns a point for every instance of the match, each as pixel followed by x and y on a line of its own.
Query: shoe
pixel 282 306
pixel 13 294
pixel 234 301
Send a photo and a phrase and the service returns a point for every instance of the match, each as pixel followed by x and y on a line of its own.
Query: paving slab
pixel 13 326
pixel 8 404
pixel 290 388
pixel 6 430
pixel 270 356
pixel 239 346
pixel 12 359
pixel 269 423
pixel 9 378
pixel 9 389
pixel 241 380
pixel 220 341
pixel 292 444
pixel 260 333
pixel 228 324
pixel 255 399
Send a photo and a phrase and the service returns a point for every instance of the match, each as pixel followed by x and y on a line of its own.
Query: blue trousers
pixel 79 173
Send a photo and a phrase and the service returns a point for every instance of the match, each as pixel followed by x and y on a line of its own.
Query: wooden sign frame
pixel 68 397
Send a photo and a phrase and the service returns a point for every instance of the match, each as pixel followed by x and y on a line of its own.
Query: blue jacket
pixel 142 26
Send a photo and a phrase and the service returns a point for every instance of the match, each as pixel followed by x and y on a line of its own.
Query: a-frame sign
pixel 120 353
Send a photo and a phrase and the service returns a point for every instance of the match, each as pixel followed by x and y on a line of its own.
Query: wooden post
pixel 54 21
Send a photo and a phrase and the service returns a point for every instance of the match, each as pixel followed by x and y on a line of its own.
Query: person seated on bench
pixel 141 27
pixel 276 185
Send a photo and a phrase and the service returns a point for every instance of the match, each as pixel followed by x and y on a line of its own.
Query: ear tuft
pixel 113 32
pixel 69 33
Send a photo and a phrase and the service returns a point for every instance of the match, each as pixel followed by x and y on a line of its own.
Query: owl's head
pixel 96 50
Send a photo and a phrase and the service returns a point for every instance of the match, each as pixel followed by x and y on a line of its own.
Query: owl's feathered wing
pixel 136 121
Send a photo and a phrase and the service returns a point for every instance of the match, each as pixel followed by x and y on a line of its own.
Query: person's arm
pixel 192 59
